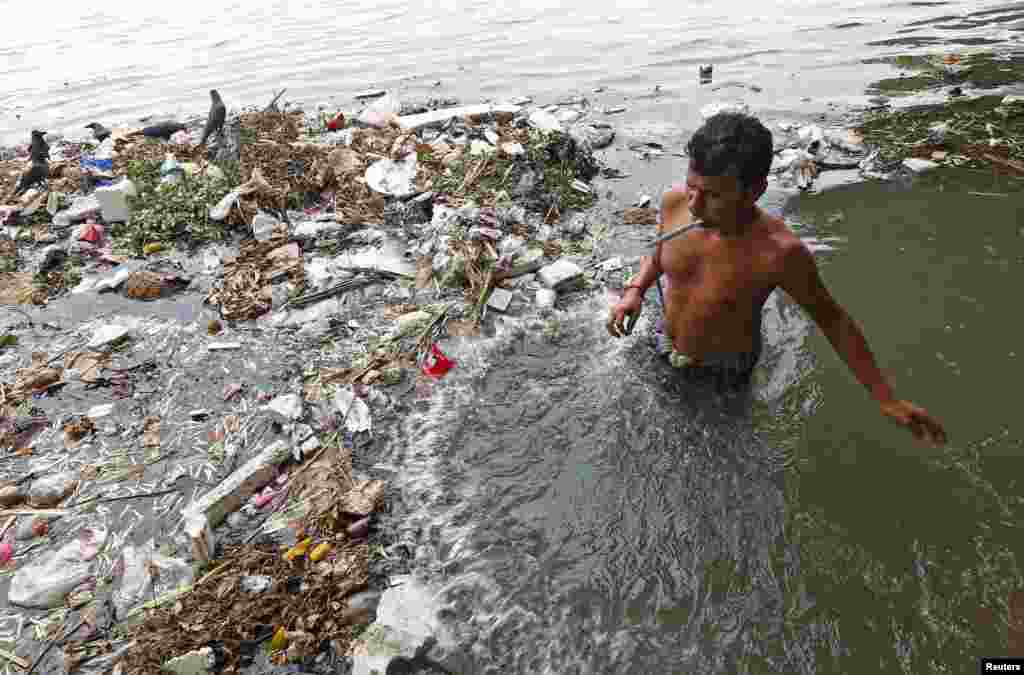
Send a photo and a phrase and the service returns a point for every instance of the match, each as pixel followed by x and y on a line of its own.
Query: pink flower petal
pixel 6 552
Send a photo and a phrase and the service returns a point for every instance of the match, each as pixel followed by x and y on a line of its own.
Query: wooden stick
pixel 1008 163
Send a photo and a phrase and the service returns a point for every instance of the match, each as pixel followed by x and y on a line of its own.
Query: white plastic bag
pixel 391 177
pixel 114 200
pixel 139 584
pixel 221 210
pixel 44 583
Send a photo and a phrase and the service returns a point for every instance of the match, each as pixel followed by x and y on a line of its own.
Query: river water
pixel 572 506
pixel 121 60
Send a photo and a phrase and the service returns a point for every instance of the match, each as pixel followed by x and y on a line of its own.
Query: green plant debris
pixel 971 124
pixel 171 213
pixel 542 150
pixel 216 453
pixel 489 180
pixel 982 70
pixel 552 329
pixel 247 135
pixel 72 274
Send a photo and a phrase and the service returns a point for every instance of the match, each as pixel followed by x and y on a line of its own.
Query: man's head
pixel 730 156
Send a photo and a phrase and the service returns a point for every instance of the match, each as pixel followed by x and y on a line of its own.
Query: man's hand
pixel 632 300
pixel 921 424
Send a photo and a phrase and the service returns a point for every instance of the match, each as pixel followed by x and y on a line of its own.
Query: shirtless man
pixel 716 277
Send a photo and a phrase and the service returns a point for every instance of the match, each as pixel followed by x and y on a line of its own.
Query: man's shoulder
pixel 775 230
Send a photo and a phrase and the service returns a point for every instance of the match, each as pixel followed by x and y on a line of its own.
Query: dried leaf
pixel 151 432
pixel 72 662
pixel 74 432
pixel 395 311
pixel 324 479
pixel 313 391
pixel 424 270
pixel 89 616
pixel 363 498
pixel 640 216
pixel 18 288
pixel 232 424
pixel 88 364
pixel 462 329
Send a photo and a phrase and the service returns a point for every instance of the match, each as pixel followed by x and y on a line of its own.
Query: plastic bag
pixel 381 112
pixel 139 584
pixel 221 210
pixel 171 171
pixel 392 177
pixel 354 411
pixel 44 584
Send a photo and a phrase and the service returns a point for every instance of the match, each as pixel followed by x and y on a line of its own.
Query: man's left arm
pixel 803 283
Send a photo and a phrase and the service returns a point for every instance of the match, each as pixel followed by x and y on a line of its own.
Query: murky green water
pixel 584 512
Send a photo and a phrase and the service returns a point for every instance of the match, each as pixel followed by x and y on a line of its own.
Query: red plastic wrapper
pixel 337 122
pixel 92 232
pixel 436 364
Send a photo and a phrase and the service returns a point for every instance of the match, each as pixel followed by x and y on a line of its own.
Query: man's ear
pixel 757 189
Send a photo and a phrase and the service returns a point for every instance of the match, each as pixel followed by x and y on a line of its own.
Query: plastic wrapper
pixel 395 178
pixel 44 582
pixel 148 574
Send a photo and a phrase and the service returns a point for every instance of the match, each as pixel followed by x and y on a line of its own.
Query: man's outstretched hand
pixel 918 420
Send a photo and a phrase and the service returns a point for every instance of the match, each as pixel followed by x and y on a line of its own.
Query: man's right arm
pixel 650 270
pixel 674 212
pixel 650 266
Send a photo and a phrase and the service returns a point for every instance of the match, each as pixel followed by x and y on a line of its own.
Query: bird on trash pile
pixel 99 132
pixel 38 147
pixel 162 130
pixel 215 121
pixel 39 170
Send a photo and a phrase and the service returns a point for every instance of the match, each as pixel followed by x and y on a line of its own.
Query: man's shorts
pixel 732 368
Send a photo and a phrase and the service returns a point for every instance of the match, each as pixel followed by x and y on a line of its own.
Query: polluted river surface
pixel 576 509
pixel 124 60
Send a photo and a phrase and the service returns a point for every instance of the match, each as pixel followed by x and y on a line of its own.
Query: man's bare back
pixel 715 285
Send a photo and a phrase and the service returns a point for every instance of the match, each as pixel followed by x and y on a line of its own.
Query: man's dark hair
pixel 732 144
